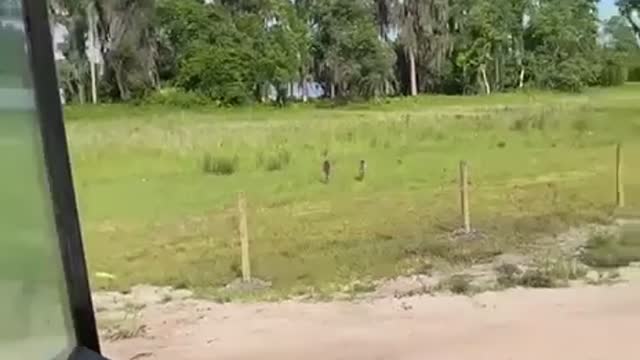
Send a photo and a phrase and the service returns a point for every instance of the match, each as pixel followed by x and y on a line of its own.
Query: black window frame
pixel 58 170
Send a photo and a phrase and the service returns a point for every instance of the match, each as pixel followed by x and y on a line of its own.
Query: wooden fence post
pixel 464 196
pixel 619 180
pixel 244 237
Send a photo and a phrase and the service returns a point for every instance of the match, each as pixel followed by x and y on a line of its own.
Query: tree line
pixel 240 51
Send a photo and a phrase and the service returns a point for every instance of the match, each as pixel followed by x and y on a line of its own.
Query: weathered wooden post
pixel 244 237
pixel 619 179
pixel 464 196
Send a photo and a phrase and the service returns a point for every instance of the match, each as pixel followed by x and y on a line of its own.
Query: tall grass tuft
pixel 220 165
pixel 530 122
pixel 581 125
pixel 274 161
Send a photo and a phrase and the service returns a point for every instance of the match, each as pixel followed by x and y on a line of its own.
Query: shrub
pixel 570 74
pixel 457 284
pixel 537 279
pixel 508 275
pixel 219 165
pixel 609 251
pixel 613 73
pixel 222 73
pixel 634 74
pixel 176 98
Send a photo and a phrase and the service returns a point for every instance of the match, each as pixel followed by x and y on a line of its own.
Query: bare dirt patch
pixel 572 323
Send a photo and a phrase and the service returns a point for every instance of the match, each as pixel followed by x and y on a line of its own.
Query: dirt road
pixel 587 323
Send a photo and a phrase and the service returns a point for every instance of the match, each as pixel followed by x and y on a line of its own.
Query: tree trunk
pixel 497 83
pixel 485 80
pixel 303 86
pixel 412 72
pixel 634 25
pixel 80 86
pixel 94 86
pixel 281 93
pixel 305 91
pixel 521 80
pixel 69 94
pixel 92 48
pixel 81 93
pixel 124 94
pixel 333 84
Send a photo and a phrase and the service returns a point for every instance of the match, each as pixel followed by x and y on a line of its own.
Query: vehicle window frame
pixel 61 190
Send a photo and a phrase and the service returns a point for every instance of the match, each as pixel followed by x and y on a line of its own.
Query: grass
pixel 539 162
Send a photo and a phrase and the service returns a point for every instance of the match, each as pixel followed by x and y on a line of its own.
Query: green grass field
pixel 539 162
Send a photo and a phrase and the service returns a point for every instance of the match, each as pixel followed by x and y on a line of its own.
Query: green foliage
pixel 633 64
pixel 481 53
pixel 634 74
pixel 562 41
pixel 215 59
pixel 221 73
pixel 354 62
pixel 235 52
pixel 571 74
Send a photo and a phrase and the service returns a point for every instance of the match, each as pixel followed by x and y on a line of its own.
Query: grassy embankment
pixel 539 163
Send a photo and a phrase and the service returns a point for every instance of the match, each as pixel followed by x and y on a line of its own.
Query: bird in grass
pixel 326 171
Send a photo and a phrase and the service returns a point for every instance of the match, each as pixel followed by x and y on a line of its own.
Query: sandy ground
pixel 585 323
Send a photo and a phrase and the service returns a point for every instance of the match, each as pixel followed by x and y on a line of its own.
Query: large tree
pixel 129 46
pixel 351 59
pixel 74 70
pixel 630 9
pixel 562 39
pixel 489 46
pixel 213 56
pixel 407 17
pixel 423 32
pixel 619 35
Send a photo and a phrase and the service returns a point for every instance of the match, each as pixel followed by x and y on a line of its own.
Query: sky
pixel 608 8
